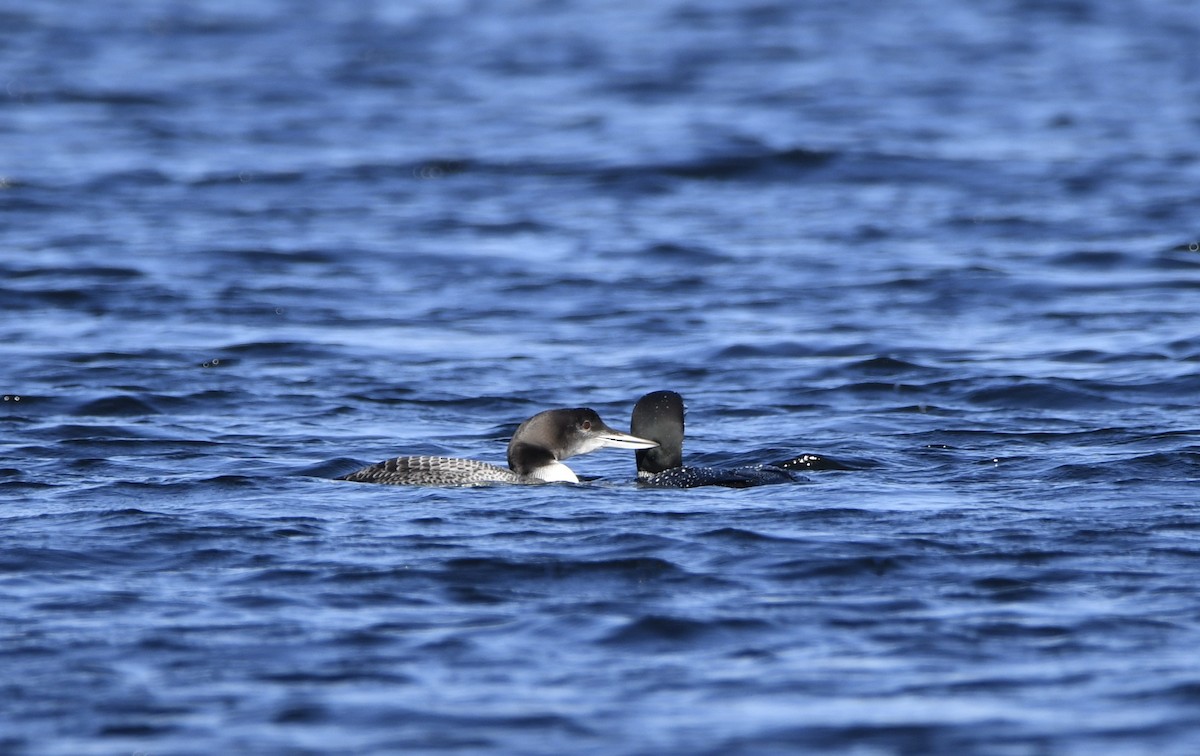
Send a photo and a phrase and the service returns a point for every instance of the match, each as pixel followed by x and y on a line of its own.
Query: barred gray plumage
pixel 436 471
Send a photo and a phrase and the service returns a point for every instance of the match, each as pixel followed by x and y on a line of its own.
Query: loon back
pixel 726 477
pixel 435 471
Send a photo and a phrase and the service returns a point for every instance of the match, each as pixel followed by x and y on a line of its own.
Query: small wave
pixel 761 164
pixel 839 567
pixel 1186 693
pixel 776 349
pixel 742 535
pixel 130 179
pixel 1059 394
pixel 676 253
pixel 30 559
pixel 1180 466
pixel 1009 590
pixel 492 570
pixel 663 629
pixel 80 432
pixel 766 165
pixel 239 178
pixel 105 273
pixel 454 223
pixel 888 366
pixel 121 405
pixel 278 258
pixel 1096 260
pixel 113 97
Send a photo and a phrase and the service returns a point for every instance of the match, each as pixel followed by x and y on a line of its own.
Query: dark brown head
pixel 560 433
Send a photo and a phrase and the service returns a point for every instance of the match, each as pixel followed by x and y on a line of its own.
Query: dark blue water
pixel 246 247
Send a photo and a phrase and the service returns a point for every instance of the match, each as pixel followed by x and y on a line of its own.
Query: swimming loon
pixel 533 454
pixel 659 416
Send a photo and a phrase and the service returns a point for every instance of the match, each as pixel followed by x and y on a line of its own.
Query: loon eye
pixel 586 425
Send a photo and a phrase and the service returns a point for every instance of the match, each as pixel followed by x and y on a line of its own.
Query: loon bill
pixel 534 454
pixel 659 416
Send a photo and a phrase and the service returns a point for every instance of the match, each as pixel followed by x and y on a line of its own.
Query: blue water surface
pixel 246 247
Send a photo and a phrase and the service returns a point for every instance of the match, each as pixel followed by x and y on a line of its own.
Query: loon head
pixel 658 416
pixel 547 437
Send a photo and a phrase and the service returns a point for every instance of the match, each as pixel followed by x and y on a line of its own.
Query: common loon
pixel 659 416
pixel 533 454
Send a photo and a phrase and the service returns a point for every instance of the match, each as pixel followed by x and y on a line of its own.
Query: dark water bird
pixel 658 416
pixel 534 454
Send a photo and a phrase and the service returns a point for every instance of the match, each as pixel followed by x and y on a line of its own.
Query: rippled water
pixel 247 247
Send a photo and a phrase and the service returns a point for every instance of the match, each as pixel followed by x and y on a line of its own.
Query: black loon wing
pixel 729 477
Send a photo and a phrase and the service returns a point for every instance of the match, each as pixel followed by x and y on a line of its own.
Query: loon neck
pixel 554 472
pixel 527 459
pixel 658 416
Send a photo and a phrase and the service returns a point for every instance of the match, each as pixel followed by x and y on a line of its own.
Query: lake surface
pixel 246 247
